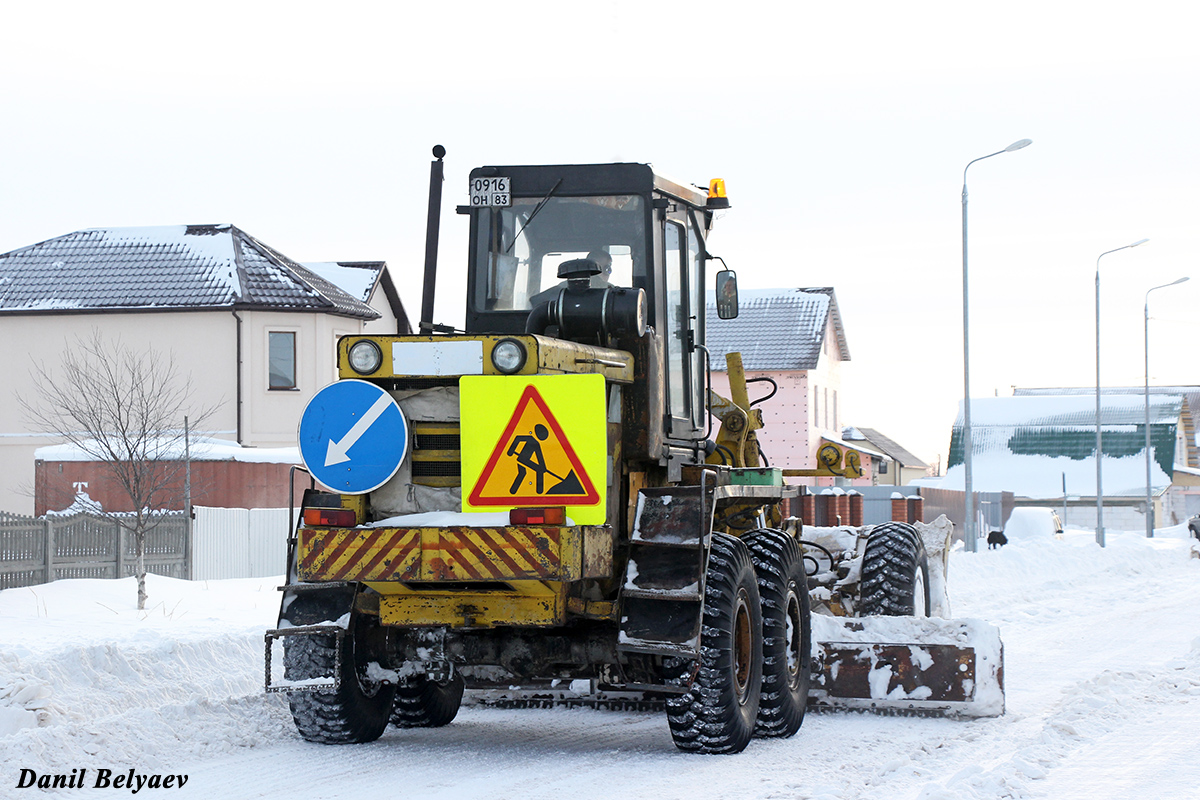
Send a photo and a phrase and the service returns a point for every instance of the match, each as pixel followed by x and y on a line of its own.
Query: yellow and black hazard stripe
pixel 440 554
pixel 492 554
pixel 382 554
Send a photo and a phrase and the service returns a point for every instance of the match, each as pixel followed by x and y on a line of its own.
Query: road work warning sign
pixel 535 441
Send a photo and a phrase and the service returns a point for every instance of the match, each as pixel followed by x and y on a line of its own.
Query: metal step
pixel 662 596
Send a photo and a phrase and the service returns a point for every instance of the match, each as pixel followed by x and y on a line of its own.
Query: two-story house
pixel 254 329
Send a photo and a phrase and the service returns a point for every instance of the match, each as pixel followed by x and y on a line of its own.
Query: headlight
pixel 365 357
pixel 508 356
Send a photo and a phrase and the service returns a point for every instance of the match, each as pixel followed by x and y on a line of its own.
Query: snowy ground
pixel 1102 669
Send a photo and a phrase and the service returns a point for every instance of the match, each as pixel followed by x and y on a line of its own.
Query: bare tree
pixel 123 408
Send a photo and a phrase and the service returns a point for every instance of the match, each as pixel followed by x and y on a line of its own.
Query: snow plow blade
pixel 908 665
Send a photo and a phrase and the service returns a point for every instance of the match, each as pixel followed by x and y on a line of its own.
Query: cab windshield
pixel 520 247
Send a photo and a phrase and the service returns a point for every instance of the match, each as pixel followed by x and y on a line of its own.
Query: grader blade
pixel 910 665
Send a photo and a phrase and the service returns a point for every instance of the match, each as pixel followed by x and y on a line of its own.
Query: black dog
pixel 996 539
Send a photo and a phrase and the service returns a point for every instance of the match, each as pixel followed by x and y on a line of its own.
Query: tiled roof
pixel 889 446
pixel 776 329
pixel 168 267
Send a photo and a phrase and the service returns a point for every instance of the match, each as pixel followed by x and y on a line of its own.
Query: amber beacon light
pixel 716 194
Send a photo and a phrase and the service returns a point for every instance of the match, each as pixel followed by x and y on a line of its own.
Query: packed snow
pixel 199 448
pixel 1102 669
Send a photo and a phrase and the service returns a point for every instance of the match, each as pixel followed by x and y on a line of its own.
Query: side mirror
pixel 727 295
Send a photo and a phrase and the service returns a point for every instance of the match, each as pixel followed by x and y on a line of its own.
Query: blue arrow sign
pixel 352 436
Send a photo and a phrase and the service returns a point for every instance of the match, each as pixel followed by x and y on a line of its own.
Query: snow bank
pixel 86 678
pixel 1030 523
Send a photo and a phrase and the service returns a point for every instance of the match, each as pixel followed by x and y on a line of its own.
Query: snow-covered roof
pixel 887 445
pixel 355 278
pixel 199 449
pixel 776 329
pixel 1190 394
pixel 852 445
pixel 183 267
pixel 1027 444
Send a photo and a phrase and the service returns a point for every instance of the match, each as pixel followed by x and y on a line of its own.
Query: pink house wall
pixel 788 439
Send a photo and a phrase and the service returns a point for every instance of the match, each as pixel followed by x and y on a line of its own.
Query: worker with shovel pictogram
pixel 528 452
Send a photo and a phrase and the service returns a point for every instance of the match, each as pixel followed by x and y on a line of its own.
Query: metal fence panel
pixel 220 543
pixel 877 501
pixel 239 542
pixel 269 532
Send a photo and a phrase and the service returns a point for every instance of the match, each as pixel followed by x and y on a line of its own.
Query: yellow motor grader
pixel 542 496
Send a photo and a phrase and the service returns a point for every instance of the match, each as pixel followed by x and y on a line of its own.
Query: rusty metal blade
pixel 929 666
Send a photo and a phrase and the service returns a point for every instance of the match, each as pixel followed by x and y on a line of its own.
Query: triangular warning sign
pixel 533 463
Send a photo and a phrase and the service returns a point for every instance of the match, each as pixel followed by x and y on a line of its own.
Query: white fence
pixel 239 542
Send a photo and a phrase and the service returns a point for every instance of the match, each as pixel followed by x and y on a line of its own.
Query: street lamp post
pixel 1146 339
pixel 969 532
pixel 1099 451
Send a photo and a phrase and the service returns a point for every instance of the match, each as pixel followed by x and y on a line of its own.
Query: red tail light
pixel 330 517
pixel 554 515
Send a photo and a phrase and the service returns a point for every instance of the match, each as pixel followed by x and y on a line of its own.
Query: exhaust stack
pixel 431 240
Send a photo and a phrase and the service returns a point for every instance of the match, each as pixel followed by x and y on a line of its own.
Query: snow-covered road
pixel 1102 670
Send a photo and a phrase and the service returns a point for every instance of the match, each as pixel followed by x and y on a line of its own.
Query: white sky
pixel 842 133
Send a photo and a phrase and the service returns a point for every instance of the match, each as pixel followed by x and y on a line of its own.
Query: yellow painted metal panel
pixel 528 603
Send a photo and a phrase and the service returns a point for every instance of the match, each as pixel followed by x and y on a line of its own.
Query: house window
pixel 282 359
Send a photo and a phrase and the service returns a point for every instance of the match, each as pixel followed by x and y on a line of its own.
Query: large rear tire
pixel 895 572
pixel 427 704
pixel 787 631
pixel 358 711
pixel 717 715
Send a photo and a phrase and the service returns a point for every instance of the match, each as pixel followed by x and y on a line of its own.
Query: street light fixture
pixel 969 532
pixel 1099 451
pixel 1146 339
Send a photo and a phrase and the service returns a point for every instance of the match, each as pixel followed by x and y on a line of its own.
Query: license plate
pixel 490 192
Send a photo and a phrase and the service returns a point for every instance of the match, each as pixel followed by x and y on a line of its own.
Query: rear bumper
pixel 462 577
pixel 458 554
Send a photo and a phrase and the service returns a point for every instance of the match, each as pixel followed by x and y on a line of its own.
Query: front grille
pixel 435 456
pixel 431 469
pixel 435 441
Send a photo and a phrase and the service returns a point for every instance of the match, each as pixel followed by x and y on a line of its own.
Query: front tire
pixel 787 632
pixel 718 713
pixel 423 703
pixel 358 711
pixel 895 572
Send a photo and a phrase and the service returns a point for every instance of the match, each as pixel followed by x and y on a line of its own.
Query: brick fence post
pixel 916 509
pixel 856 508
pixel 808 509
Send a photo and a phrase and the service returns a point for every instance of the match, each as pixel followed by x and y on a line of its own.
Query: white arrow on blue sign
pixel 353 436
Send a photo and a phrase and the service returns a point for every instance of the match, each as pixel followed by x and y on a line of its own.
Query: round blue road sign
pixel 353 436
